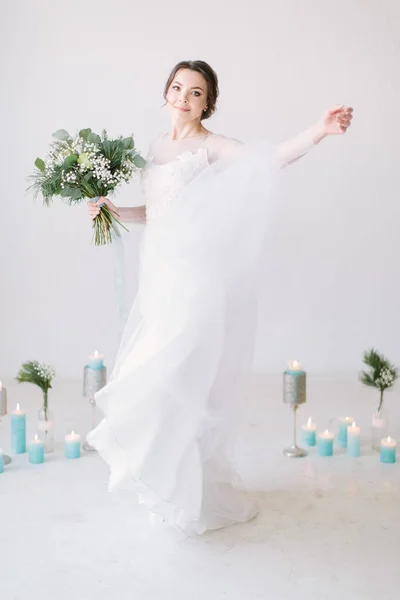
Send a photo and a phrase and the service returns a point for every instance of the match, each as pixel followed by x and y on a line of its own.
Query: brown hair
pixel 209 75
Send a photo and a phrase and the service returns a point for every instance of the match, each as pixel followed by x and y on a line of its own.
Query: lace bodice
pixel 173 164
pixel 161 183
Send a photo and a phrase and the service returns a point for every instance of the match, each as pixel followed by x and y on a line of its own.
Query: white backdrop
pixel 332 280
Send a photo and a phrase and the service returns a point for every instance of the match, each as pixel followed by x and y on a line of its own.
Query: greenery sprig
pixel 39 374
pixel 382 374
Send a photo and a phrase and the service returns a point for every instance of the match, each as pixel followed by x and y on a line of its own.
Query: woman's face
pixel 187 96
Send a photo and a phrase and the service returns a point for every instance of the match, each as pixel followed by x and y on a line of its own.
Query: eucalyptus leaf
pixel 70 160
pixel 93 138
pixel 128 143
pixel 139 161
pixel 62 135
pixel 84 133
pixel 39 163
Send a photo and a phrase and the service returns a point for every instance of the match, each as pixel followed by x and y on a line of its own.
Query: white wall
pixel 332 281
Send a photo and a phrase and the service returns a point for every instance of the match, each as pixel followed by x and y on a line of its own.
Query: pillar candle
pixel 36 451
pixel 309 433
pixel 18 431
pixel 294 384
pixel 353 440
pixel 325 443
pixel 72 445
pixel 344 423
pixel 96 361
pixel 388 450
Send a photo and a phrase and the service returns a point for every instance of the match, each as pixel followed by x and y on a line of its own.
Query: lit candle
pixel 353 440
pixel 96 361
pixel 1 461
pixel 294 384
pixel 72 445
pixel 325 443
pixel 388 450
pixel 344 424
pixel 309 433
pixel 18 431
pixel 36 451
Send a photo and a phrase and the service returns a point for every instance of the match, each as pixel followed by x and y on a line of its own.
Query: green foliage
pixel 37 373
pixel 381 375
pixel 85 167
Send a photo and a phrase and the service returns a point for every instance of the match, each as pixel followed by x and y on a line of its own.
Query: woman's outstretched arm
pixel 334 121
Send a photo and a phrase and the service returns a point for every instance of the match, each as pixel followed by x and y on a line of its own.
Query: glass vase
pixel 379 428
pixel 46 426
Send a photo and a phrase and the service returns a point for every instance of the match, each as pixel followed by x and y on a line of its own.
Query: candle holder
pixel 3 413
pixel 294 394
pixel 93 381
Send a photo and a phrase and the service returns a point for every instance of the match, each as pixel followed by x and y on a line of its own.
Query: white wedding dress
pixel 175 400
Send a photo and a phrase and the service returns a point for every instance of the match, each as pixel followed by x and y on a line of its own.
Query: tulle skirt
pixel 176 397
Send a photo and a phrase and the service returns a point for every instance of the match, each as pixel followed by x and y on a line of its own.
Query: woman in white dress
pixel 175 400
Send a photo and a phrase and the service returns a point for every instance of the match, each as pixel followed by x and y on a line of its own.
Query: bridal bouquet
pixel 84 167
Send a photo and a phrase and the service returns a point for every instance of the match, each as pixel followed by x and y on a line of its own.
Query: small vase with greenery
pixel 382 375
pixel 41 375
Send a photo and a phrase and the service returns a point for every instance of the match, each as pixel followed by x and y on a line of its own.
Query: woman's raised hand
pixel 336 120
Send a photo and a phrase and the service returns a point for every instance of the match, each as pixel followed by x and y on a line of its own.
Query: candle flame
pixel 18 408
pixel 96 354
pixel 36 437
pixel 326 431
pixel 309 422
pixel 389 439
pixel 294 365
pixel 353 424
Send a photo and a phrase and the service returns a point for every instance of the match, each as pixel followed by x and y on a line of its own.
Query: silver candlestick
pixel 93 381
pixel 294 394
pixel 3 413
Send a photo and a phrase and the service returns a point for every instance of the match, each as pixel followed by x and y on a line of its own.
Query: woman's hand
pixel 336 120
pixel 94 207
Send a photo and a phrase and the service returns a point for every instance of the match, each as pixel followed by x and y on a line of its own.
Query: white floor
pixel 329 528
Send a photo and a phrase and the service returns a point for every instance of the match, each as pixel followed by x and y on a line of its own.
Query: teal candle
pixel 388 450
pixel 36 451
pixel 18 431
pixel 309 433
pixel 353 440
pixel 72 445
pixel 96 361
pixel 325 443
pixel 1 461
pixel 344 423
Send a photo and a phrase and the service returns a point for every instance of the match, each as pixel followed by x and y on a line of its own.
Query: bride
pixel 176 399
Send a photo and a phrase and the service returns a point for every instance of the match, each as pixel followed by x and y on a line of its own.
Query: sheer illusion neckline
pixel 194 137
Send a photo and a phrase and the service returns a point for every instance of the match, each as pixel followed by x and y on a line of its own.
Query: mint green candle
pixel 72 445
pixel 18 431
pixel 325 443
pixel 388 450
pixel 36 451
pixel 353 440
pixel 309 433
pixel 344 423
